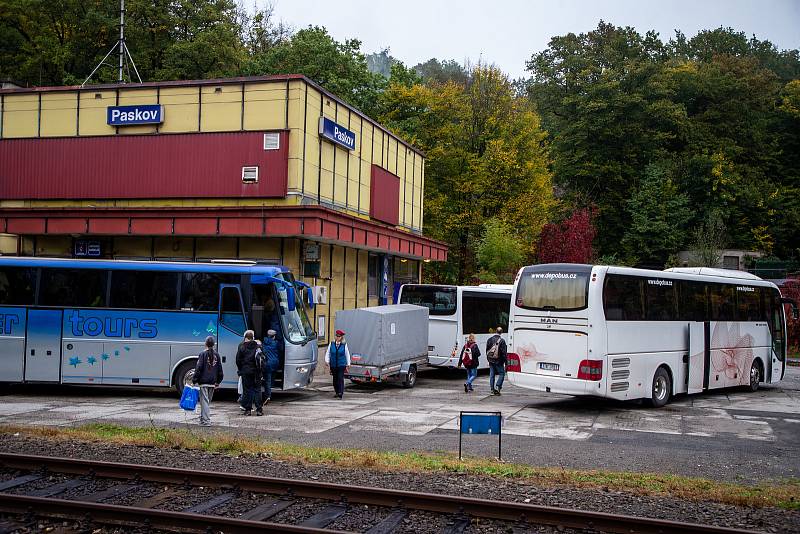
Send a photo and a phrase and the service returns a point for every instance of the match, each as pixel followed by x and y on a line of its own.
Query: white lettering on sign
pixel 342 136
pixel 667 283
pixel 746 289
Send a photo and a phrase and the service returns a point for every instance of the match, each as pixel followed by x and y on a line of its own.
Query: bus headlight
pixel 301 370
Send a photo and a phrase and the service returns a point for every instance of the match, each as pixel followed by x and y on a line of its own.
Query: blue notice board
pixel 481 423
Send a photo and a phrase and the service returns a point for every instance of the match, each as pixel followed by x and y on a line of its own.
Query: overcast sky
pixel 507 32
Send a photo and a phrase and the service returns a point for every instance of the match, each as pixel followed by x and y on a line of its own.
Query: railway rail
pixel 38 485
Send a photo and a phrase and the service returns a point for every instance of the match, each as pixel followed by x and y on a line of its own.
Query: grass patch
pixel 784 494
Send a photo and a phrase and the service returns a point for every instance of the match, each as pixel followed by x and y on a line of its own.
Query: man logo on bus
pixel 112 326
pixel 548 320
pixel 7 323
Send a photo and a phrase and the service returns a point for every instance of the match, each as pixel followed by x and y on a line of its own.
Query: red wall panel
pixel 66 226
pixel 384 196
pixel 241 226
pixel 151 226
pixel 108 226
pixel 283 226
pixel 25 226
pixel 142 166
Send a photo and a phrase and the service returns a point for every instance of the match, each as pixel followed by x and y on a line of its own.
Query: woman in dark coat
pixel 208 375
pixel 469 359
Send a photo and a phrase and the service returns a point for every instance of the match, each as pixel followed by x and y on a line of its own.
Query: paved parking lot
pixel 730 435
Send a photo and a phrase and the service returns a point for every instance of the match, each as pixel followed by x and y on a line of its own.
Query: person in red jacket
pixel 469 359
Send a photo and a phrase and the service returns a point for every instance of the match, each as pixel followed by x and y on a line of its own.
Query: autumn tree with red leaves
pixel 791 289
pixel 569 241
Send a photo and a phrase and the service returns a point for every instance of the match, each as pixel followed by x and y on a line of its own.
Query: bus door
pixel 43 347
pixel 777 328
pixel 232 325
pixel 696 357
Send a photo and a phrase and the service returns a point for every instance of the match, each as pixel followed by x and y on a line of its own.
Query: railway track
pixel 106 493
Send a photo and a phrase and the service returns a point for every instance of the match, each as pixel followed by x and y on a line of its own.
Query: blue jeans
pixel 267 385
pixel 471 374
pixel 499 370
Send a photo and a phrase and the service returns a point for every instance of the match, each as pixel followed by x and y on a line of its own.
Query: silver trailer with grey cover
pixel 385 342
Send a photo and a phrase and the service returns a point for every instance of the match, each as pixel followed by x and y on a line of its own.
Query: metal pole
pixel 121 38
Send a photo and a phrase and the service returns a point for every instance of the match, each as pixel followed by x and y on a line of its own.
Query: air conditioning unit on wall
pixel 320 294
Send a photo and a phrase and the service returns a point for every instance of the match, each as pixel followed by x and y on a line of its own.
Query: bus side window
pixel 691 301
pixel 81 288
pixel 748 304
pixel 723 302
pixel 17 285
pixel 622 298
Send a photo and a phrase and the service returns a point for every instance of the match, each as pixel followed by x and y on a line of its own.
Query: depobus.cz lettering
pixel 112 326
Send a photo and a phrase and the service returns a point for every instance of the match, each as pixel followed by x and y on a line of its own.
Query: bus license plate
pixel 548 366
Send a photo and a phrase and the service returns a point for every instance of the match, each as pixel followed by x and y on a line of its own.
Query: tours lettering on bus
pixel 7 323
pixel 112 326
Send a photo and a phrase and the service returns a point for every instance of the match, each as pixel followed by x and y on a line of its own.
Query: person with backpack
pixel 338 357
pixel 496 353
pixel 208 375
pixel 250 369
pixel 469 359
pixel 271 363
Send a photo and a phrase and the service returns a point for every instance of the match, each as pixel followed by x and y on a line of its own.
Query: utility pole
pixel 124 53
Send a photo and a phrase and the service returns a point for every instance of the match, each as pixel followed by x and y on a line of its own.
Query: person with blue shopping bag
pixel 208 375
pixel 271 362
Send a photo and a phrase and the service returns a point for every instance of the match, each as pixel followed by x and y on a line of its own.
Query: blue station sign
pixel 336 133
pixel 133 115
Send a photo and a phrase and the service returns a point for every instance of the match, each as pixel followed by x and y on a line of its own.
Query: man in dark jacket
pixel 250 371
pixel 271 362
pixel 207 374
pixel 496 353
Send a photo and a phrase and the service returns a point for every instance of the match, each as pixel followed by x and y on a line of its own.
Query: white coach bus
pixel 455 312
pixel 630 333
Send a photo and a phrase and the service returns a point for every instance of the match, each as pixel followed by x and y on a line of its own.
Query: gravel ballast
pixel 670 508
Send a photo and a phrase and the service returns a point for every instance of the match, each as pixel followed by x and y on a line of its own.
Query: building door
pixel 43 347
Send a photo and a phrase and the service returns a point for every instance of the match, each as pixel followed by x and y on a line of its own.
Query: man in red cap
pixel 338 358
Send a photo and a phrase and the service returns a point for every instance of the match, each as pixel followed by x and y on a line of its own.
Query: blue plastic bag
pixel 189 398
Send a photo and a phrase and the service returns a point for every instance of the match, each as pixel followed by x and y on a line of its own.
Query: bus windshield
pixel 543 288
pixel 440 300
pixel 296 326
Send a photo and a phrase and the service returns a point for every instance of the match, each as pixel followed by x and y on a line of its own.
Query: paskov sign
pixel 131 115
pixel 338 134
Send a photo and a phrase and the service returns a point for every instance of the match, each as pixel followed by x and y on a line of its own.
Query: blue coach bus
pixel 142 323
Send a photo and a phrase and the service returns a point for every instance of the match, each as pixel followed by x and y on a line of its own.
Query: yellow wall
pixel 8 244
pixel 318 169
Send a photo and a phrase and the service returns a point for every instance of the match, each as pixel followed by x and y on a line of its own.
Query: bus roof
pixel 134 265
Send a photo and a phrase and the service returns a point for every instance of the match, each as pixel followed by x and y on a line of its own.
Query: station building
pixel 269 168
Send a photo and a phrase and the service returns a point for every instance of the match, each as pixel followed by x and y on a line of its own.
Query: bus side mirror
pixel 290 297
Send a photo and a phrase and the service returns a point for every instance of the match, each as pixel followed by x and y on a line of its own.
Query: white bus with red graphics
pixel 629 333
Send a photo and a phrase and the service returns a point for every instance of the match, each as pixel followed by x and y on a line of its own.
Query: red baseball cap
pixel 340 332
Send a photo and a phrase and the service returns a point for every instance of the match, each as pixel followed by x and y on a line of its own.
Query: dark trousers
pixel 251 392
pixel 267 385
pixel 338 380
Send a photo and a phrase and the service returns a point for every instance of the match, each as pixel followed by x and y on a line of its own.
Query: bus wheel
pixel 662 386
pixel 755 375
pixel 411 377
pixel 184 376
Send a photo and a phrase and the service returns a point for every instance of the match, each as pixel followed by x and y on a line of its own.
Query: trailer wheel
pixel 411 377
pixel 184 375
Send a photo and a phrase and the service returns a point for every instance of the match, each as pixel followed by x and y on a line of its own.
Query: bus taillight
pixel 590 370
pixel 512 363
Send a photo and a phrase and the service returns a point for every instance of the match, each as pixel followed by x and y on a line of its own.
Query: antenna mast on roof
pixel 124 53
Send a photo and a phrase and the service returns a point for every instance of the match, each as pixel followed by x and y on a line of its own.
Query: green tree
pixel 658 217
pixel 499 253
pixel 486 159
pixel 708 241
pixel 339 67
